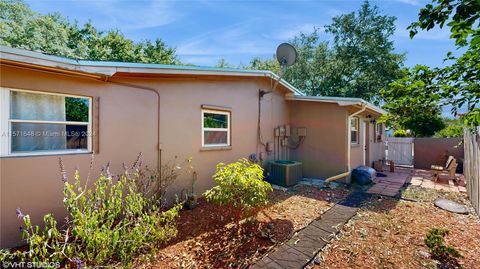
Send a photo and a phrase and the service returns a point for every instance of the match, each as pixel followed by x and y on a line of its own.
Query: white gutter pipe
pixel 349 139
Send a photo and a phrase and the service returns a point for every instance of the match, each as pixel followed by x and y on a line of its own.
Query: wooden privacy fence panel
pixel 471 166
pixel 400 150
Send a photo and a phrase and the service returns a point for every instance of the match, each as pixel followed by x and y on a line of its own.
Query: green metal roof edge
pixel 166 66
pixel 112 64
pixel 68 60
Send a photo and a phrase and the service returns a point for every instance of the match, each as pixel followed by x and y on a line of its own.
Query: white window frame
pixel 6 125
pixel 228 113
pixel 378 132
pixel 356 128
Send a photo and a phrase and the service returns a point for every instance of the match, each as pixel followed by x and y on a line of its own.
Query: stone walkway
pixel 391 184
pixel 304 245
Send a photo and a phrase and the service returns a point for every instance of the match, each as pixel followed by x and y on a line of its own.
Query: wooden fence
pixel 400 150
pixel 471 166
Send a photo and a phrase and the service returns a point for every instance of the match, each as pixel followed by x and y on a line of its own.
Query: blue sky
pixel 203 31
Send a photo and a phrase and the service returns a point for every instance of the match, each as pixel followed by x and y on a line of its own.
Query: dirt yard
pixel 208 238
pixel 389 233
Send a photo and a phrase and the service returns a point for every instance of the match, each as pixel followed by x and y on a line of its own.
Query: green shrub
pixel 109 223
pixel 436 246
pixel 239 184
pixel 450 131
pixel 400 133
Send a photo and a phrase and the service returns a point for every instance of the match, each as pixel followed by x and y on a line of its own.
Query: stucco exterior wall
pixel 180 121
pixel 435 151
pixel 323 152
pixel 128 125
pixel 356 158
pixel 129 122
pixel 33 183
pixel 375 148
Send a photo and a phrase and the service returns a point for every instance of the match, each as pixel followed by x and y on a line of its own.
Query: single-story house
pixel 53 106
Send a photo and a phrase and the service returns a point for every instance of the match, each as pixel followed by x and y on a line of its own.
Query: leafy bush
pixel 111 222
pixel 434 242
pixel 400 133
pixel 450 131
pixel 239 184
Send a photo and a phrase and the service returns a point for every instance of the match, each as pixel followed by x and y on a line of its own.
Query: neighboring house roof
pixel 108 69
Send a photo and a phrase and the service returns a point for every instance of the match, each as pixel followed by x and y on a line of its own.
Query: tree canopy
pixel 450 131
pixel 364 52
pixel 459 82
pixel 410 104
pixel 222 63
pixel 357 63
pixel 21 27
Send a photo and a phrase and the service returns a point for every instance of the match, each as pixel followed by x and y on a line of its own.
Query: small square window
pixel 215 128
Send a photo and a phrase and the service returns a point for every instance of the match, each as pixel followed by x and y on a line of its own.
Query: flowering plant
pixel 108 223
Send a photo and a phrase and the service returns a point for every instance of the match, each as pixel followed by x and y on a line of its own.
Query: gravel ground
pixel 389 233
pixel 208 237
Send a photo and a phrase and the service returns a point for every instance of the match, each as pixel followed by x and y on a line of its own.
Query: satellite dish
pixel 286 54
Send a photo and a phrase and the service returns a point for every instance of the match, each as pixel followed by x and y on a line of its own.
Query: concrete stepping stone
pixel 450 206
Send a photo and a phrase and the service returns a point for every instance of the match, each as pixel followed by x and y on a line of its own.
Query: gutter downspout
pixel 349 139
pixel 159 145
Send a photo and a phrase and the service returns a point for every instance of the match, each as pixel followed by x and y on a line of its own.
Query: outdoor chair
pixel 450 167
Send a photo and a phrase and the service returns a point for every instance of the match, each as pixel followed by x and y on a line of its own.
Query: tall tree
pixel 311 67
pixel 365 52
pixel 410 105
pixel 54 34
pixel 264 64
pixel 460 81
pixel 358 63
pixel 312 71
pixel 222 63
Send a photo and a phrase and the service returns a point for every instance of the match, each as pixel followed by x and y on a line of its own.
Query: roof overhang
pixel 341 101
pixel 105 69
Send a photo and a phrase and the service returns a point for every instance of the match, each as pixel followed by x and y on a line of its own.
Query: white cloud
pixel 228 40
pixel 286 34
pixel 131 15
pixel 410 2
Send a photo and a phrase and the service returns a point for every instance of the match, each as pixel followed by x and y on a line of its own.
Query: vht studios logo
pixel 31 264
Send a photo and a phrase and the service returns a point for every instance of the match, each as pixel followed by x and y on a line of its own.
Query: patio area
pixel 391 184
pixel 423 178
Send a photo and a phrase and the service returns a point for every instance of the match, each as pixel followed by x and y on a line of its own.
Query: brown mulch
pixel 208 236
pixel 389 233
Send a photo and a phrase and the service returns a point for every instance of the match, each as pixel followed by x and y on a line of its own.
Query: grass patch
pixel 429 195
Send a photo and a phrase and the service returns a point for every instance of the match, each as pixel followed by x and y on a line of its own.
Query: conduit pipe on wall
pixel 349 138
pixel 159 146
